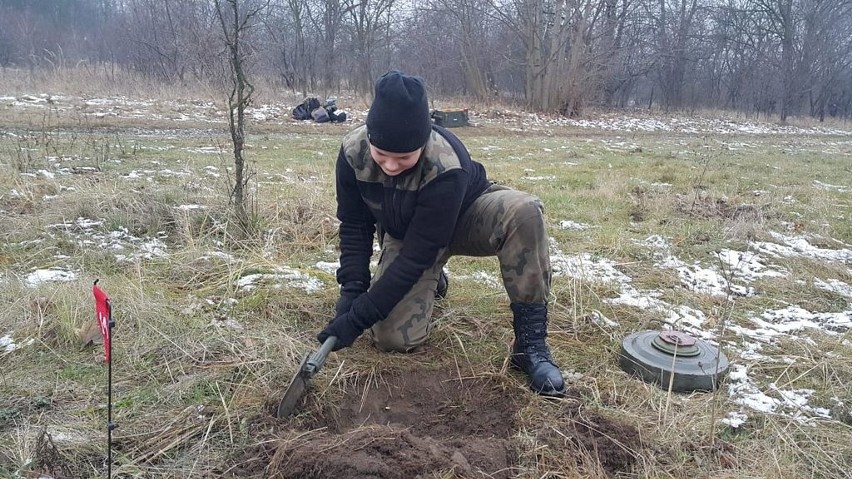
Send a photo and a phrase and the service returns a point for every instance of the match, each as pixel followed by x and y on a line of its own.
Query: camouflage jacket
pixel 419 206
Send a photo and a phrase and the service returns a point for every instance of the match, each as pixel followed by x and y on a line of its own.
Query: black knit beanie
pixel 398 120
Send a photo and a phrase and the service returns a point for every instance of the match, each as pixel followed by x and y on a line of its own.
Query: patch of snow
pixel 835 286
pixel 750 351
pixel 121 239
pixel 624 123
pixel 695 277
pixel 572 225
pixel 328 267
pixel 7 343
pixel 691 320
pixel 734 419
pixel 291 277
pixel 151 174
pixel 598 318
pixel 229 324
pixel 481 277
pixel 207 150
pixel 708 281
pixel 826 186
pixel 85 223
pixel 748 265
pixel 600 270
pixel 797 246
pixel 148 249
pixel 49 275
pixel 794 318
pixel 745 392
pixel 219 254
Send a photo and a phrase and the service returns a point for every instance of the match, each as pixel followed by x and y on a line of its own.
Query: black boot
pixel 443 285
pixel 530 353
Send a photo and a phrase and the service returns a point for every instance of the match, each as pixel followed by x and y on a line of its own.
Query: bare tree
pixel 617 51
pixel 558 53
pixel 236 23
pixel 673 22
pixel 467 29
pixel 331 20
pixel 826 52
pixel 779 57
pixel 370 22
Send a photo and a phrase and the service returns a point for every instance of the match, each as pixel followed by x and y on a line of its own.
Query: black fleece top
pixel 419 206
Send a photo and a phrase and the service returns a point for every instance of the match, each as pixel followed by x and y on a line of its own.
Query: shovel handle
pixel 317 359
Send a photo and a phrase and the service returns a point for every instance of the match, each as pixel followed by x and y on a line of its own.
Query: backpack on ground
pixel 303 111
pixel 320 115
pixel 312 109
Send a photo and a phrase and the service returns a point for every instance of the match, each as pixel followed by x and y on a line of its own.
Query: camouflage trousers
pixel 502 222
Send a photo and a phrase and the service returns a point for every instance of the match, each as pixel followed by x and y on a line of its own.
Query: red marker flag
pixel 103 313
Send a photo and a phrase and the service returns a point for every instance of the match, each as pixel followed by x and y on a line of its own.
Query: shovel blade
pixel 295 391
pixel 301 380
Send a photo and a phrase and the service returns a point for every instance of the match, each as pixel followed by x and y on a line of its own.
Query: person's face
pixel 395 163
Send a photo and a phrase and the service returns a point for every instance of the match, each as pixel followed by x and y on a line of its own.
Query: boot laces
pixel 534 345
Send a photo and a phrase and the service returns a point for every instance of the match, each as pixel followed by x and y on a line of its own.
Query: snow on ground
pixel 798 246
pixel 744 267
pixel 328 266
pixel 210 112
pixel 639 123
pixel 283 276
pixel 765 327
pixel 572 225
pixel 748 266
pixel 7 343
pixel 725 271
pixel 40 276
pixel 790 402
pixel 149 175
pixel 481 277
pixel 124 246
pixel 826 186
pixel 835 286
pixel 775 323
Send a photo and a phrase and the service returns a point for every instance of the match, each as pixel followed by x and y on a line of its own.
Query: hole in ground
pixel 405 425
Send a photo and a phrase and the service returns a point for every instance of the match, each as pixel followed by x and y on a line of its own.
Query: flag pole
pixel 103 311
pixel 110 424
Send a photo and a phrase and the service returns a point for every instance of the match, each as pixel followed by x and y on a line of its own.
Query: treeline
pixel 773 57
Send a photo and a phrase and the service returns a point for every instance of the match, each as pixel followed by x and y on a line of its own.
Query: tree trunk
pixel 239 98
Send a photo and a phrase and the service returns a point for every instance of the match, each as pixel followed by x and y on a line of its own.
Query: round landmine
pixel 673 359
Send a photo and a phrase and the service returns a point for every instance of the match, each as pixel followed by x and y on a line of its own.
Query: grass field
pixel 737 232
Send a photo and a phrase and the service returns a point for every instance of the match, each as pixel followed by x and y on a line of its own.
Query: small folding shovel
pixel 301 381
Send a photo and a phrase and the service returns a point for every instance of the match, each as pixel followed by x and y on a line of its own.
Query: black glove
pixel 348 293
pixel 348 326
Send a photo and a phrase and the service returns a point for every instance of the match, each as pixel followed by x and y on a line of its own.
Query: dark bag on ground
pixel 303 111
pixel 312 109
pixel 320 115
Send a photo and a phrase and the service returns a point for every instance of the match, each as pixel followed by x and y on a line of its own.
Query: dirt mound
pixel 390 453
pixel 426 423
pixel 404 426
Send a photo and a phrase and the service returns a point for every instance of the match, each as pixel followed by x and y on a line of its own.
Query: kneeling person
pixel 417 183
